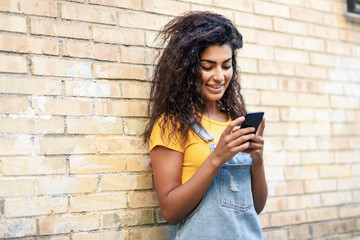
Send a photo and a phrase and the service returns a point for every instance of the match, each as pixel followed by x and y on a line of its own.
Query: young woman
pixel 208 173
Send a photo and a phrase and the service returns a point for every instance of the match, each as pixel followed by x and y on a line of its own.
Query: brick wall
pixel 74 83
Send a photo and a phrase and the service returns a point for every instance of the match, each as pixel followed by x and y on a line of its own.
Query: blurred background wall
pixel 74 84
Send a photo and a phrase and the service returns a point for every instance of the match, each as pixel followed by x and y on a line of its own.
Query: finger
pixel 233 124
pixel 260 131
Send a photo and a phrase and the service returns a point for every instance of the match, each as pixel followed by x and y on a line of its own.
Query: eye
pixel 227 67
pixel 206 68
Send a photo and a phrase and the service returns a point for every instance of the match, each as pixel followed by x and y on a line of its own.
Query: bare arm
pixel 176 200
pixel 258 180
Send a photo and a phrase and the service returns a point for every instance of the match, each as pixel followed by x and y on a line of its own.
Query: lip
pixel 215 87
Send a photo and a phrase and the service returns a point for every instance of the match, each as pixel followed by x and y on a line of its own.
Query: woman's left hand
pixel 256 145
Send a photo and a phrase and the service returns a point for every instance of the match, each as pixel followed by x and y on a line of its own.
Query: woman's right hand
pixel 232 141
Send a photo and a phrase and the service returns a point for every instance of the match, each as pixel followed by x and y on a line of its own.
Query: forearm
pixel 259 186
pixel 180 201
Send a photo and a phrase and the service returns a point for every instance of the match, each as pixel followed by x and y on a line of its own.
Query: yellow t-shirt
pixel 195 150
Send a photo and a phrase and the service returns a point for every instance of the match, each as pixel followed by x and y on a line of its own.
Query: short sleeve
pixel 156 139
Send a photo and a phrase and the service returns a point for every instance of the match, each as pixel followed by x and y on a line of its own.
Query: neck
pixel 213 112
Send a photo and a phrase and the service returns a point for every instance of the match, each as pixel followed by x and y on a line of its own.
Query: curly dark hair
pixel 176 92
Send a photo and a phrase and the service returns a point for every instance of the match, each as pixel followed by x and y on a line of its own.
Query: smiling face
pixel 216 71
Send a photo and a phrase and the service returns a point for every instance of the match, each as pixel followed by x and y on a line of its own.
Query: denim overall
pixel 226 211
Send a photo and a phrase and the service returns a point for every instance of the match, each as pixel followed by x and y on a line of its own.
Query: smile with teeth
pixel 215 86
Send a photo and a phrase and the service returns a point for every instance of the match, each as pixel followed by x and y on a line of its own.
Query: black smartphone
pixel 253 119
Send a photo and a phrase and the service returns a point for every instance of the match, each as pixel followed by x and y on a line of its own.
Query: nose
pixel 218 74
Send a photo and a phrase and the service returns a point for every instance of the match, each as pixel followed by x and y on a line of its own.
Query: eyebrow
pixel 209 61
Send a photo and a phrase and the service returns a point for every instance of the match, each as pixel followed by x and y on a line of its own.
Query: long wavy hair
pixel 176 93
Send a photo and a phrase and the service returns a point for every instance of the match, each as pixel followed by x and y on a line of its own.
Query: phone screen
pixel 253 119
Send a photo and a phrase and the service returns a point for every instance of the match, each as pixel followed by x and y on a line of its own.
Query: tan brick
pixel 277 233
pixel 90 51
pixel 348 183
pixel 285 188
pixel 342 75
pixel 349 36
pixel 282 158
pixel 17 228
pixel 34 125
pixel 13 104
pixel 315 129
pixel 121 108
pixel 350 157
pixel 336 198
pixel 251 20
pixel 322 31
pixel 275 204
pixel 59 29
pixel 60 67
pixel 129 217
pixel 143 199
pixel 65 145
pixel 158 233
pixel 126 182
pixel 313 100
pixel 97 164
pixel 346 129
pixel 333 143
pixel 272 9
pixel 311 72
pixel 15 146
pixel 113 71
pixel 349 211
pixel 287 218
pixel 334 170
pixel 13 23
pixel 297 114
pixel 344 102
pixel 274 143
pixel 61 107
pixel 60 185
pixel 321 214
pixel 28 85
pixel 325 60
pixel 247 65
pixel 306 43
pixel 25 44
pixel 120 145
pixel 108 125
pixel 35 206
pixel 339 48
pixel 137 55
pixel 281 128
pixel 277 98
pixel 257 52
pixel 306 15
pixel 274 173
pixel 93 89
pixel 133 4
pixel 304 201
pixel 142 20
pixel 259 82
pixel 117 235
pixel 291 56
pixel 341 226
pixel 278 68
pixel 138 163
pixel 11 187
pixel 33 166
pixel 66 224
pixel 134 126
pixel 132 90
pixel 118 36
pixel 98 202
pixel 13 64
pixel 167 7
pixel 87 14
pixel 36 7
pixel 290 26
pixel 263 218
pixel 302 172
pixel 325 6
pixel 300 232
pixel 330 115
pixel 317 157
